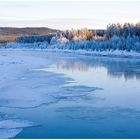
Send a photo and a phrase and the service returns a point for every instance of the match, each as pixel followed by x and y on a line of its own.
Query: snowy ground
pixel 24 84
pixel 110 53
pixel 51 48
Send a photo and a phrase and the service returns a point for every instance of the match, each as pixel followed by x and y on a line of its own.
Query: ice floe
pixel 10 125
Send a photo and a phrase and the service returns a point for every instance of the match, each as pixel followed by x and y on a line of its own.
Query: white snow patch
pixel 15 123
pixel 9 128
pixel 9 133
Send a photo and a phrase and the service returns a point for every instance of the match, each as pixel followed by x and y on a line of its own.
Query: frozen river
pixel 56 95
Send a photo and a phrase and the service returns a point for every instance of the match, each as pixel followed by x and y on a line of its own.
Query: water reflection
pixel 98 114
pixel 72 65
pixel 116 67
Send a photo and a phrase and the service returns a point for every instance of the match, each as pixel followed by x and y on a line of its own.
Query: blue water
pixel 113 111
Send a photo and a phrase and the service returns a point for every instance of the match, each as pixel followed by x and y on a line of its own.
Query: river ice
pixel 10 125
pixel 23 84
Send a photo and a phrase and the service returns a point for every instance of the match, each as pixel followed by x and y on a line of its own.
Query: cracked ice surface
pixel 21 86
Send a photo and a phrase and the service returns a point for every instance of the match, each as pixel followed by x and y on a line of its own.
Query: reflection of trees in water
pixel 127 69
pixel 117 67
pixel 73 65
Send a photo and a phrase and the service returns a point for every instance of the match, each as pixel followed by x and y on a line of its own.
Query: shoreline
pixel 107 53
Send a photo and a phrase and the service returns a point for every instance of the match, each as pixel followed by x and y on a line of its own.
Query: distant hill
pixel 8 34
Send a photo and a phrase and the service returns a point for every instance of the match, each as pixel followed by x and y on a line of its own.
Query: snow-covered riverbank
pixel 111 53
pixel 44 46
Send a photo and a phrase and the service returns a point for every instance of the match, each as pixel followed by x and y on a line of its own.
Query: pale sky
pixel 67 14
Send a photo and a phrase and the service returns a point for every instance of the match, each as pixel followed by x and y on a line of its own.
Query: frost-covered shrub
pixel 115 43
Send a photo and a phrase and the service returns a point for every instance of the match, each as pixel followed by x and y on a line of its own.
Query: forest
pixel 115 37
